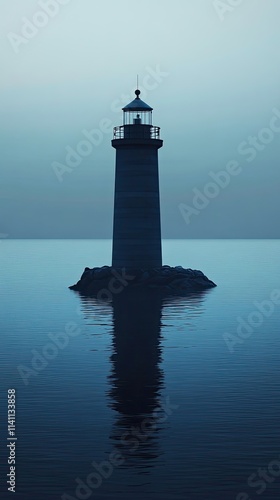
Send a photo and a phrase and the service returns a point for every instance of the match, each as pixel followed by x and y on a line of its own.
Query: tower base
pixel 105 282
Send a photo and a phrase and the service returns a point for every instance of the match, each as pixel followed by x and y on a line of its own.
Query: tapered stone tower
pixel 137 231
pixel 137 227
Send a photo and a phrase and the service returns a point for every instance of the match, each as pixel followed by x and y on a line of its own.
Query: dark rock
pixel 179 268
pixel 167 279
pixel 199 273
pixel 86 272
pixel 103 272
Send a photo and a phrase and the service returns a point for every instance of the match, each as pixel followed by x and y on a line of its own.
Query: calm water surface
pixel 151 382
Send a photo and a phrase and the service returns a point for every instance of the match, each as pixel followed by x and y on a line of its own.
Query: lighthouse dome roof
pixel 137 104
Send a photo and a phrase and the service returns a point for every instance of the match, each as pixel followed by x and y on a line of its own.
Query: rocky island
pixel 107 281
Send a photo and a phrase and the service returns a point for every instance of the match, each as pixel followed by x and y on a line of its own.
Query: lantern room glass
pixel 133 117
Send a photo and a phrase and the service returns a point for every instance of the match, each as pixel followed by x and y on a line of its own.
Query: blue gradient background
pixel 222 84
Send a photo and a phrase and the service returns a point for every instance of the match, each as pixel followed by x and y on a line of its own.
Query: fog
pixel 209 69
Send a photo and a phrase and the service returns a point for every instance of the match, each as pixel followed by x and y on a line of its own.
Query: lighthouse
pixel 137 224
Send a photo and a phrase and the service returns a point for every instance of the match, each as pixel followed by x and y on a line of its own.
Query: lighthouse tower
pixel 137 229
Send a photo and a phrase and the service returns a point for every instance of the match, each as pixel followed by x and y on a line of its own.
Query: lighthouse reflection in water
pixel 137 395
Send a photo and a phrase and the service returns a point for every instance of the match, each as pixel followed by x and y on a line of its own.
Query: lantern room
pixel 137 121
pixel 137 112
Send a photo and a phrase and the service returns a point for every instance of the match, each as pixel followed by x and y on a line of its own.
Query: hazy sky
pixel 210 70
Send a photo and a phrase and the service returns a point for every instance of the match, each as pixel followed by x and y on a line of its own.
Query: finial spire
pixel 137 92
